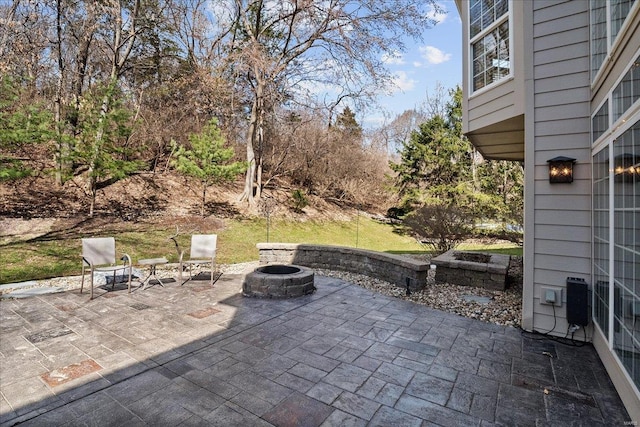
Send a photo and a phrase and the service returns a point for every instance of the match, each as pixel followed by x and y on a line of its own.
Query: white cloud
pixel 403 82
pixel 433 55
pixel 417 64
pixel 394 58
pixel 440 15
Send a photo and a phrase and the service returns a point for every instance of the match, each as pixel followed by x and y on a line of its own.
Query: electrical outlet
pixel 551 296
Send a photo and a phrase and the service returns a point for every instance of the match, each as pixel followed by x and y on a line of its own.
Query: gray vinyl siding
pixel 572 141
pixel 558 247
pixel 561 96
pixel 492 105
pixel 543 201
pixel 552 89
pixel 570 94
pixel 505 99
pixel 565 82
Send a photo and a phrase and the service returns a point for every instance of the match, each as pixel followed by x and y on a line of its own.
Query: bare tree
pixel 7 21
pixel 282 49
pixel 25 31
pixel 118 37
pixel 435 102
pixel 392 136
pixel 335 163
pixel 172 65
pixel 76 26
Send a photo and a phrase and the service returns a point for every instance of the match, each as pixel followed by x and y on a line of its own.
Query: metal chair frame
pixel 99 255
pixel 202 251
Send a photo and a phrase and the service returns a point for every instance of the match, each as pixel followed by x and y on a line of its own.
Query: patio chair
pixel 202 251
pixel 99 255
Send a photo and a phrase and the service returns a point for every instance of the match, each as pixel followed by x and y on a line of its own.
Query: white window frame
pixel 606 142
pixel 470 42
pixel 612 47
pixel 624 117
pixel 633 107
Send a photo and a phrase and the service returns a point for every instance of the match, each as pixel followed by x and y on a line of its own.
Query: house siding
pixel 560 214
pixel 493 104
pixel 499 103
pixel 553 98
pixel 561 82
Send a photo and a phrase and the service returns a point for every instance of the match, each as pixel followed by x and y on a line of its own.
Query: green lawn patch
pixel 53 257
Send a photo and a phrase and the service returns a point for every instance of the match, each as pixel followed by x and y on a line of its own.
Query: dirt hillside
pixel 34 206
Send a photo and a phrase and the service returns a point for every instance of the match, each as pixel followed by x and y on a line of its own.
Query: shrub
pixel 396 212
pixel 440 226
pixel 299 200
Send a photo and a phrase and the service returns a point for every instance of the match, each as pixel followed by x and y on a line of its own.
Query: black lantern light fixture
pixel 561 170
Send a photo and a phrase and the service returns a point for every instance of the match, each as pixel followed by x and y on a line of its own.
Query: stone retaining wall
pixel 490 275
pixel 395 269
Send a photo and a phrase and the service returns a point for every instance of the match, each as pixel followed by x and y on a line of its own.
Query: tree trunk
pixel 251 166
pixel 82 61
pixel 474 169
pixel 258 184
pixel 204 198
pixel 120 55
pixel 6 28
pixel 97 147
pixel 62 154
pixel 254 139
pixel 260 157
pixel 93 191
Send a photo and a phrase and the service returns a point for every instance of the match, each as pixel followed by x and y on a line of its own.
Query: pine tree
pixel 207 159
pixel 101 145
pixel 348 125
pixel 434 164
pixel 21 127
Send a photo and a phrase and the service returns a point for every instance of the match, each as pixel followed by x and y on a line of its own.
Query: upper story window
pixel 627 92
pixel 489 33
pixel 607 19
pixel 619 101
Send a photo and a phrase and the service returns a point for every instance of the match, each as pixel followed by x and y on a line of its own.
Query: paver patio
pixel 344 356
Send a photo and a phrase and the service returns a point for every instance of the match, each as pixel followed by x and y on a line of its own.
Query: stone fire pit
pixel 279 281
pixel 479 269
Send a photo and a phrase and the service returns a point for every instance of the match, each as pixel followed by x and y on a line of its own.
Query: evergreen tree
pixel 441 179
pixel 101 145
pixel 21 128
pixel 348 125
pixel 502 183
pixel 207 159
pixel 436 162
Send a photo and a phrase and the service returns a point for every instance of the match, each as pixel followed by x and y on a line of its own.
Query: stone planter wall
pixel 395 269
pixel 489 275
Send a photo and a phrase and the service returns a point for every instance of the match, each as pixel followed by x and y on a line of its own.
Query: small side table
pixel 152 263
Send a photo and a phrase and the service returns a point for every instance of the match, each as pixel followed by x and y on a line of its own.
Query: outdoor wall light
pixel 561 170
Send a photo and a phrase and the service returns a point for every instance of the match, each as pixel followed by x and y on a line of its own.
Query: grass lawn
pixel 53 257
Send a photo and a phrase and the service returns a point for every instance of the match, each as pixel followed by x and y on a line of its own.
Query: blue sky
pixel 437 59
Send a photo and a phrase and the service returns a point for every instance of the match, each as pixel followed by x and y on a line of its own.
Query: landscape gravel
pixel 502 308
pixel 499 307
